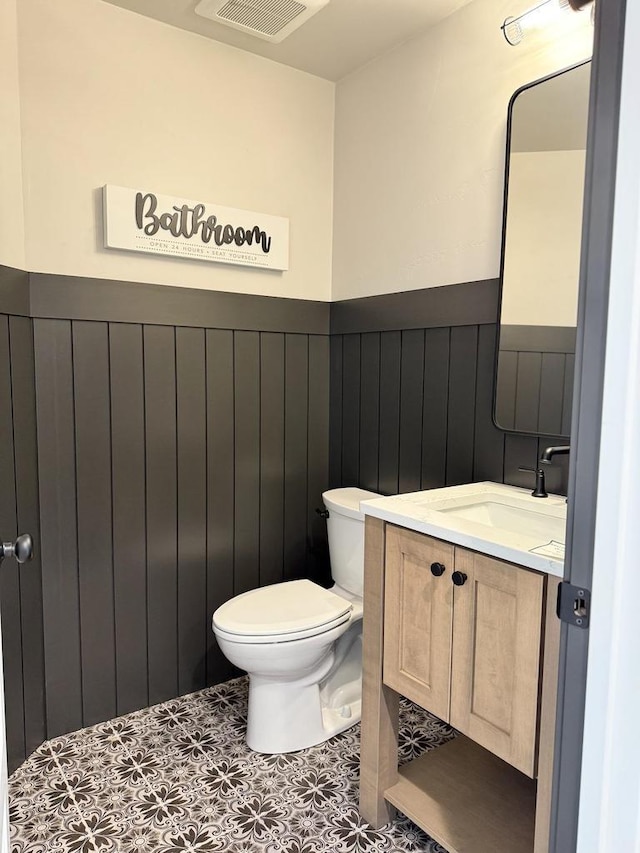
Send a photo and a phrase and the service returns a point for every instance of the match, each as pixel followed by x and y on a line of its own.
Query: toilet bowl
pixel 301 644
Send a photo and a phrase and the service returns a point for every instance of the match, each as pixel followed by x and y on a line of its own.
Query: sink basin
pixel 496 519
pixel 507 514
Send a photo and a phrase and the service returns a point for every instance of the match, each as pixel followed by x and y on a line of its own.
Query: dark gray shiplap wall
pixel 178 467
pixel 161 467
pixel 178 464
pixel 20 587
pixel 412 409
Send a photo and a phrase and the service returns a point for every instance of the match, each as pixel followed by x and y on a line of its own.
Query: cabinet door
pixel 417 619
pixel 496 657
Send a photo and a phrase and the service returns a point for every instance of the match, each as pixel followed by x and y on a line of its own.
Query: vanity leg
pixel 547 720
pixel 379 731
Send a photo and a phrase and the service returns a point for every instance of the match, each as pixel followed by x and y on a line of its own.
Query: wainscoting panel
pixel 168 457
pixel 296 429
pixel 94 518
pixel 191 420
pixel 220 484
pixel 389 440
pixel 272 388
pixel 411 410
pixel 317 456
pixel 489 442
pixel 412 369
pixel 435 407
pixel 162 510
pixel 178 467
pixel 127 422
pixel 246 569
pixel 58 524
pixel 369 409
pixel 463 363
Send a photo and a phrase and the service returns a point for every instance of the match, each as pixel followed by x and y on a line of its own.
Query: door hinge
pixel 574 604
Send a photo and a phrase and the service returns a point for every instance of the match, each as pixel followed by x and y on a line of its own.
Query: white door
pixel 610 787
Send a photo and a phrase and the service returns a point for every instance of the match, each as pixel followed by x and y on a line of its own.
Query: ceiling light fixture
pixel 538 17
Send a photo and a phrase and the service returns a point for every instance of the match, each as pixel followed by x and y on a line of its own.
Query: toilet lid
pixel 283 608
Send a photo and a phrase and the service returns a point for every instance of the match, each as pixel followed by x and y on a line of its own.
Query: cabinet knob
pixel 437 569
pixel 458 578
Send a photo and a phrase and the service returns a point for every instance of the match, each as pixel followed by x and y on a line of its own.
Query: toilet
pixel 301 644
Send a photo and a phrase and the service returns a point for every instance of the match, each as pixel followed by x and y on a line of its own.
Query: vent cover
pixel 271 20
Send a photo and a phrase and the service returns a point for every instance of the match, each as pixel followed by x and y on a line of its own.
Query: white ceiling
pixel 341 37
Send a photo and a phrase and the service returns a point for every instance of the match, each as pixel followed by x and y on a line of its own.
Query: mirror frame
pixel 503 244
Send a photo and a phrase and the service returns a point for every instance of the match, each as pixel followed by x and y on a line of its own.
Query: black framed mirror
pixel 540 265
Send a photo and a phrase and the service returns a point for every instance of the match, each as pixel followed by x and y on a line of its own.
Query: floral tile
pixel 179 778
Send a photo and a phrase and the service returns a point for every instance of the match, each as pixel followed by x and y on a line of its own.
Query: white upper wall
pixel 420 150
pixel 11 201
pixel 109 96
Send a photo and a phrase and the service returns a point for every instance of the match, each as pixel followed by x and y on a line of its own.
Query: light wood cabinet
pixel 481 655
pixel 495 673
pixel 418 617
pixel 470 654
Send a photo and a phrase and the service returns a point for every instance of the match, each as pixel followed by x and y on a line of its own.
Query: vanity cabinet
pixel 469 652
pixel 480 654
pixel 418 618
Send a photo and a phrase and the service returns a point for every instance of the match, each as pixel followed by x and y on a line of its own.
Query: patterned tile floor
pixel 179 778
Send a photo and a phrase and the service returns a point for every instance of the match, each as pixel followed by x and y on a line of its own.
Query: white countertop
pixel 535 540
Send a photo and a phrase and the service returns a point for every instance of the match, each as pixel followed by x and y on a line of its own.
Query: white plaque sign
pixel 141 221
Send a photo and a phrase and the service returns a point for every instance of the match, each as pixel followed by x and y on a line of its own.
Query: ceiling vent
pixel 271 20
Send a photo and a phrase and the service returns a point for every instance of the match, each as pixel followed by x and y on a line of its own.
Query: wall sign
pixel 142 221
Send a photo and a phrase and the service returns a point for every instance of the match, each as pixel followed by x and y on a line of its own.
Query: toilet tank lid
pixel 347 501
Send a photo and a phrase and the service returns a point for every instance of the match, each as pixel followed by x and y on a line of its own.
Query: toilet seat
pixel 283 612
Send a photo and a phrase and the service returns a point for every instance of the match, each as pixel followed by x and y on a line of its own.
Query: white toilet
pixel 301 644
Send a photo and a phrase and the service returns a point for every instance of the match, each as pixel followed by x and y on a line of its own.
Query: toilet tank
pixel 345 529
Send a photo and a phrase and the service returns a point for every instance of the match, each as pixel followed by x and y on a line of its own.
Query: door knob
pixel 21 549
pixel 458 578
pixel 437 569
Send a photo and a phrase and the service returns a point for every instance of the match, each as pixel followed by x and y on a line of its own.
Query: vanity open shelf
pixel 467 799
pixel 474 640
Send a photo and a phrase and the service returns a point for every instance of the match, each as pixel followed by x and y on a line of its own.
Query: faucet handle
pixel 540 490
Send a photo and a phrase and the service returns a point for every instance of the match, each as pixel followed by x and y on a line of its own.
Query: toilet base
pixel 289 716
pixel 293 719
